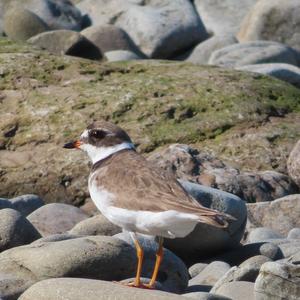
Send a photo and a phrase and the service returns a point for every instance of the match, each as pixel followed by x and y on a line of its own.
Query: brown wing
pixel 143 187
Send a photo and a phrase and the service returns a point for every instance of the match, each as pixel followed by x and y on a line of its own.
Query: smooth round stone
pixel 195 269
pixel 15 230
pixel 204 296
pixel 274 20
pixel 26 204
pixel 237 290
pixel 250 53
pixel 205 240
pixel 95 257
pixel 173 274
pixel 262 234
pixel 66 42
pixel 294 233
pixel 285 72
pixel 121 55
pixel 97 225
pixel 79 289
pixel 21 24
pixel 56 218
pixel 211 274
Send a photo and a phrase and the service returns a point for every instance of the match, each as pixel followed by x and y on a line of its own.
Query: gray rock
pixel 223 16
pixel 204 296
pixel 261 234
pixel 244 252
pixel 121 55
pixel 173 274
pixel 26 204
pixel 66 42
pixel 4 203
pixel 15 230
pixel 237 290
pixel 101 12
pixel 250 53
pixel 56 14
pixel 163 28
pixel 295 258
pixel 205 239
pixel 191 164
pixel 294 233
pixel 285 72
pixel 278 281
pixel 21 24
pixel 109 38
pixel 272 20
pixel 293 164
pixel 211 274
pixel 56 218
pixel 79 289
pixel 56 238
pixel 202 52
pixel 281 215
pixel 195 269
pixel 12 287
pixel 95 257
pixel 246 271
pixel 97 225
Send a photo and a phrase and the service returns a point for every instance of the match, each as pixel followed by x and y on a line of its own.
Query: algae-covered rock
pixel 47 100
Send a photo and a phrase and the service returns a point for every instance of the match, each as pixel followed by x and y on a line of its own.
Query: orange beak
pixel 73 145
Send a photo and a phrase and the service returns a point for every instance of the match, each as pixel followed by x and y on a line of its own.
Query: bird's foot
pixel 136 285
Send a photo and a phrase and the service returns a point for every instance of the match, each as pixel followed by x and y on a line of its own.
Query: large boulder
pixel 66 42
pixel 100 257
pixel 282 215
pixel 293 164
pixel 163 28
pixel 79 288
pixel 212 239
pixel 55 14
pixel 109 38
pixel 278 281
pixel 272 20
pixel 158 103
pixel 199 166
pixel 223 16
pixel 56 218
pixel 21 24
pixel 15 230
pixel 202 52
pixel 285 72
pixel 256 52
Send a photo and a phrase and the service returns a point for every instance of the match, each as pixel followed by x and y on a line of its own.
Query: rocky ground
pixel 208 90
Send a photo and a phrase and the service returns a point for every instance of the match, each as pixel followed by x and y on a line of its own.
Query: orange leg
pixel 140 256
pixel 159 257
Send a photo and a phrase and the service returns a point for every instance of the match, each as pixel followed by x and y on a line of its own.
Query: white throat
pixel 99 153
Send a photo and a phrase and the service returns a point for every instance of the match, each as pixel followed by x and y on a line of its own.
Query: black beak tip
pixel 69 145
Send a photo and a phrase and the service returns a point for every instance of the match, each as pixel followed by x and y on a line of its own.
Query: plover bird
pixel 133 194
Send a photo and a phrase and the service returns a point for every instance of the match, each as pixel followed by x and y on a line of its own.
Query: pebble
pixel 195 269
pixel 293 164
pixel 237 290
pixel 261 234
pixel 294 233
pixel 121 55
pixel 26 204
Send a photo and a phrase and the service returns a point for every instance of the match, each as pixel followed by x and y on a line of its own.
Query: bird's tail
pixel 215 218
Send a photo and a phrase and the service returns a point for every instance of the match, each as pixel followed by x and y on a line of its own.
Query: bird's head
pixel 101 139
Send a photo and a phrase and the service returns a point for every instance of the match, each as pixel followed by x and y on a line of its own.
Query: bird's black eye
pixel 98 134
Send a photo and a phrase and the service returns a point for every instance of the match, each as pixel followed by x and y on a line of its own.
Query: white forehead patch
pixel 85 134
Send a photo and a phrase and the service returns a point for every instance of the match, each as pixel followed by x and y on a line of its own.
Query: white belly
pixel 168 224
